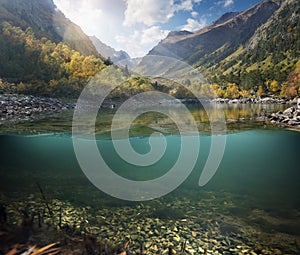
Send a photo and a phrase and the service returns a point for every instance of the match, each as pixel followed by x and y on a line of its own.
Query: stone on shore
pixel 290 117
pixel 15 108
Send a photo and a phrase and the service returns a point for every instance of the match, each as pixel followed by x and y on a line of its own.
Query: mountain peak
pixel 179 33
pixel 119 57
pixel 231 29
pixel 225 17
pixel 108 51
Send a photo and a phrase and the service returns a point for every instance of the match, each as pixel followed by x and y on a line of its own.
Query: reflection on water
pixel 237 116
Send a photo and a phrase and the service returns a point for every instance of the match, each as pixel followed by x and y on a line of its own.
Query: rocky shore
pixel 266 100
pixel 288 118
pixel 15 108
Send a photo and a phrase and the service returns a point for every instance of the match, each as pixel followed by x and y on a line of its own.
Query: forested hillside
pixel 46 20
pixel 267 59
pixel 40 66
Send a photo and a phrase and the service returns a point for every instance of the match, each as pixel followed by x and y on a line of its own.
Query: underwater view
pixel 250 206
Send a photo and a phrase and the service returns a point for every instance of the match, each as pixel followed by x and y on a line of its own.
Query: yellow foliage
pixel 215 88
pixel 245 93
pixel 260 91
pixel 272 85
pixel 291 87
pixel 232 91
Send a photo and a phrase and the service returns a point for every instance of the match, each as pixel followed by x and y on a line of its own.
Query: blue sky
pixel 136 26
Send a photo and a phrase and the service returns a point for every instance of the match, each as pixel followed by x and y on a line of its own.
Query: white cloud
pixel 153 35
pixel 225 3
pixel 152 12
pixel 194 14
pixel 185 5
pixel 130 43
pixel 193 25
pixel 137 43
pixel 228 3
pixel 148 12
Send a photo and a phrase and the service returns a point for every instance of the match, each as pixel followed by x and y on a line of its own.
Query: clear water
pixel 260 163
pixel 257 182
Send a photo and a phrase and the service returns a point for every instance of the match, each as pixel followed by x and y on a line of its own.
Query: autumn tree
pixel 291 87
pixel 232 91
pixel 260 92
pixel 272 85
pixel 245 93
pixel 40 66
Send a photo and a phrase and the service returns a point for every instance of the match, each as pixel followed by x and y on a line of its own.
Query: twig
pixel 141 247
pixel 40 218
pixel 183 246
pixel 60 217
pixel 44 197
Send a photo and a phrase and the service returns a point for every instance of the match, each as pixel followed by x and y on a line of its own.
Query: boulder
pixel 289 112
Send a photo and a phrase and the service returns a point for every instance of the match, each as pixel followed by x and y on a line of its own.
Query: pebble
pixel 201 250
pixel 176 238
pixel 201 236
pixel 134 237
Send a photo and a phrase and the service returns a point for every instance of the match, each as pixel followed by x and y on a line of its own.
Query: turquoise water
pixel 261 163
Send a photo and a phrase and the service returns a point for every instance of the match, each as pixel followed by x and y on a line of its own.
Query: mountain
pixel 42 52
pixel 225 31
pixel 120 57
pixel 47 21
pixel 248 48
pixel 107 51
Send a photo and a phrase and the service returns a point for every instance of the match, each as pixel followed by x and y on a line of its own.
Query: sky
pixel 136 26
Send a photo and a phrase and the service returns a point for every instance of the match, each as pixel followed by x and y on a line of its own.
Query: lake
pixel 252 203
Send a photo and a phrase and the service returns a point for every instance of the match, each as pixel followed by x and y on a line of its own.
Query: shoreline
pixel 16 108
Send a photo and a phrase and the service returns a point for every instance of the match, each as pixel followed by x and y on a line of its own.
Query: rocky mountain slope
pixel 109 52
pixel 120 57
pixel 233 31
pixel 46 21
pixel 250 48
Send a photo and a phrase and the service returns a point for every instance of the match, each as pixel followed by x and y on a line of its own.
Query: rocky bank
pixel 15 108
pixel 290 117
